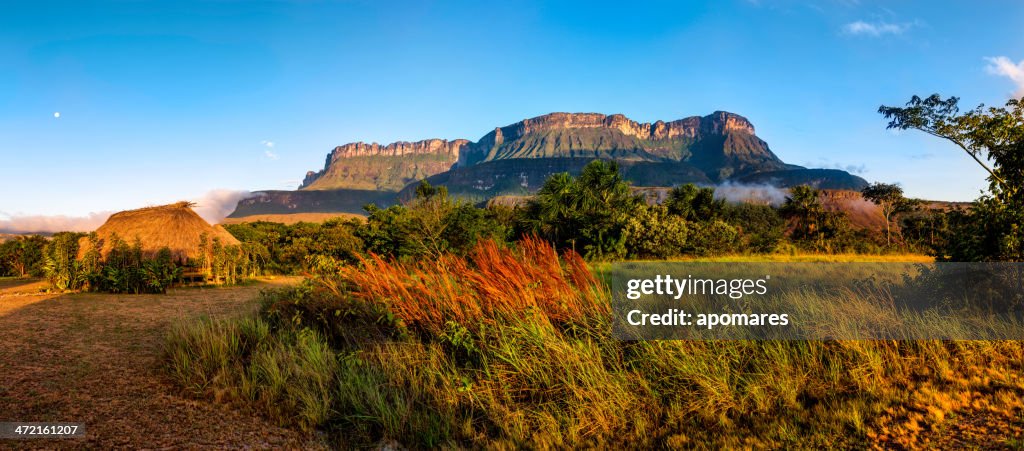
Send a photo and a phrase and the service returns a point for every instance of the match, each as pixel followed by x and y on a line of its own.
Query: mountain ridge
pixel 722 144
pixel 517 158
pixel 415 160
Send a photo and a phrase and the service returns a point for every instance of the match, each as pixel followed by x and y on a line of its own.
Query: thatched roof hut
pixel 174 226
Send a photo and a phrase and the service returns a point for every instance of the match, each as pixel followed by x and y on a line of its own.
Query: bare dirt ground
pixel 96 359
pixel 15 293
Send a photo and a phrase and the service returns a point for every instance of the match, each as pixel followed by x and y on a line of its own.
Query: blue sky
pixel 161 101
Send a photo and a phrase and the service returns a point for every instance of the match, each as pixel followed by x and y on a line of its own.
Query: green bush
pixel 285 249
pixel 713 238
pixel 760 227
pixel 125 270
pixel 653 233
pixel 431 224
pixel 159 272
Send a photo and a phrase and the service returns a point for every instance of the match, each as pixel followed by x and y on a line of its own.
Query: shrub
pixel 760 227
pixel 654 233
pixel 286 249
pixel 159 273
pixel 125 270
pixel 430 225
pixel 713 238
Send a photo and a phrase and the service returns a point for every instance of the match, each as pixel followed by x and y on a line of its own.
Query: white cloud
pixel 269 153
pixel 875 29
pixel 827 164
pixel 217 204
pixel 213 206
pixel 757 193
pixel 1005 67
pixel 50 224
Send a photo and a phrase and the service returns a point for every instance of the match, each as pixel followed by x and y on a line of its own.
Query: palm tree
pixel 802 206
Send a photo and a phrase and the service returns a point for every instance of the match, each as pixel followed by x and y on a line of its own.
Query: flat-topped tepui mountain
pixel 384 167
pixel 517 158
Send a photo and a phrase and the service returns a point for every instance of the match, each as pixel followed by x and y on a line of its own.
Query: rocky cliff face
pixel 603 136
pixel 830 179
pixel 518 158
pixel 397 149
pixel 384 167
pixel 721 145
pixel 311 201
pixel 716 123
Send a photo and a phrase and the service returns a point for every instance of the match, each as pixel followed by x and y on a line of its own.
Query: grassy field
pixel 293 218
pixel 833 258
pixel 512 348
pixel 96 359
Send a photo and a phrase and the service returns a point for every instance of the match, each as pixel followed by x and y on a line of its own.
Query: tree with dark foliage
pixel 993 229
pixel 889 198
pixel 22 256
pixel 586 213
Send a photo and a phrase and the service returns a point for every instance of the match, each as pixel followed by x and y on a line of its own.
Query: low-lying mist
pixel 51 224
pixel 213 206
pixel 755 193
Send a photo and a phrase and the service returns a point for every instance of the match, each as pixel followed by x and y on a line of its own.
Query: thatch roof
pixel 174 226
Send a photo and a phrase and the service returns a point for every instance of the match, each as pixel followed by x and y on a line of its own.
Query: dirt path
pixel 95 359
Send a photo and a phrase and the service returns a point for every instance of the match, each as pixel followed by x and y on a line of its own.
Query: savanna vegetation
pixel 991 229
pixel 596 215
pixel 125 269
pixel 512 347
pixel 440 324
pixel 118 266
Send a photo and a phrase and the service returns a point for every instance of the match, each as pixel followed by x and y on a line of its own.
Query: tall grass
pixel 493 284
pixel 512 348
pixel 289 374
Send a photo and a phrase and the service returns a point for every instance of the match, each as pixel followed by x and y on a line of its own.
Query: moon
pixel 56 115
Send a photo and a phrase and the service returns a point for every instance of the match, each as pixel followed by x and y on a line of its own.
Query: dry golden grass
pixel 174 226
pixel 603 267
pixel 18 292
pixel 510 348
pixel 293 218
pixel 831 258
pixel 504 283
